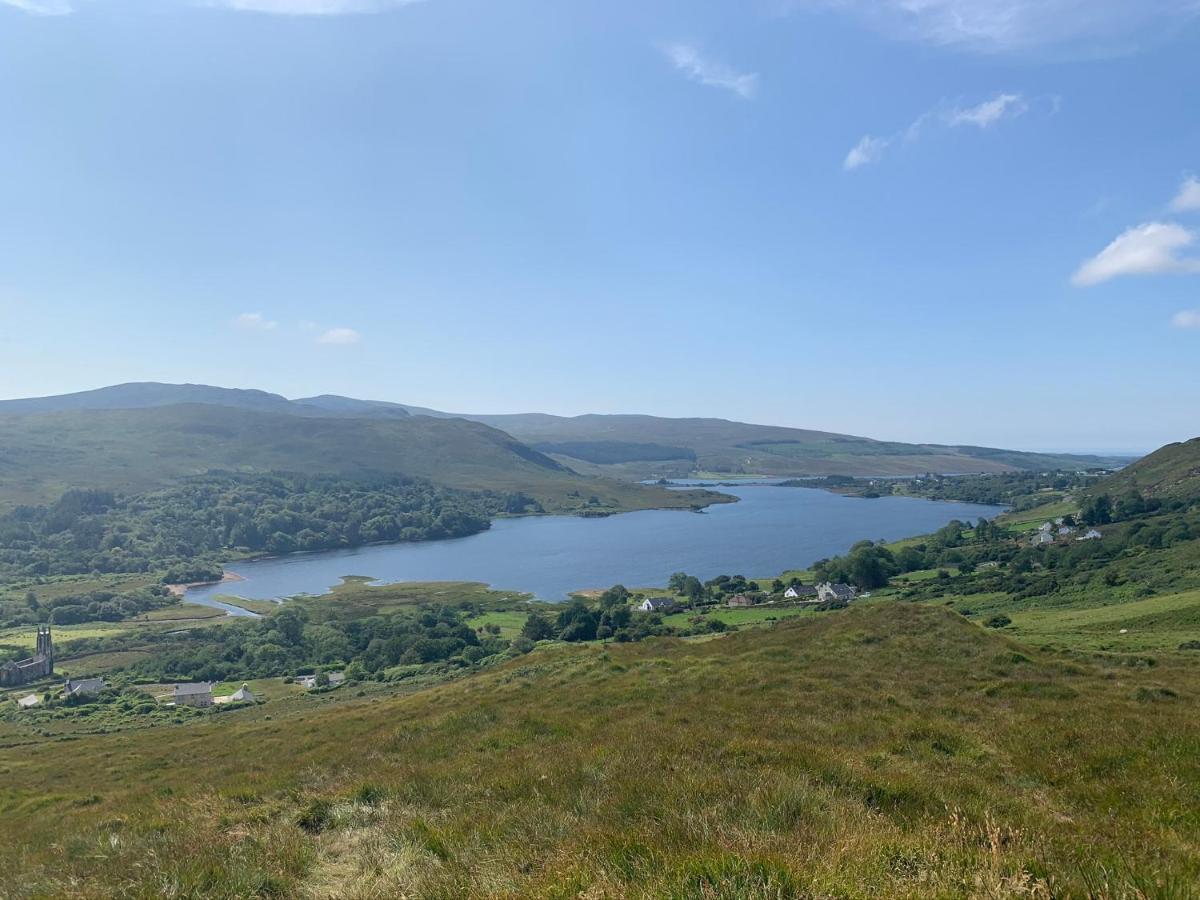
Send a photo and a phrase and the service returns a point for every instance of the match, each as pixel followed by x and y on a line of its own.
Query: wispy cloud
pixel 688 59
pixel 1154 248
pixel 1188 198
pixel 867 151
pixel 255 322
pixel 1186 318
pixel 871 149
pixel 42 7
pixel 989 112
pixel 1078 27
pixel 312 7
pixel 339 336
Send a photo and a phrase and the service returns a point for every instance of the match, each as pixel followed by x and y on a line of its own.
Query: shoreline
pixel 180 590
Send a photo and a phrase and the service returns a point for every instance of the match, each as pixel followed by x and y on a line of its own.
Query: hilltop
pixel 887 750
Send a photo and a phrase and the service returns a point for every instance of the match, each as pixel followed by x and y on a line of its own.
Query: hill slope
pixel 1171 472
pixel 134 450
pixel 891 750
pixel 722 446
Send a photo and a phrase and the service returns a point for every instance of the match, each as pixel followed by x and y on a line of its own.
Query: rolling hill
pixel 630 447
pixel 134 450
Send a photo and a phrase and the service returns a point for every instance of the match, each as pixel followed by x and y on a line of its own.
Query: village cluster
pixel 1062 529
pixel 802 594
pixel 40 666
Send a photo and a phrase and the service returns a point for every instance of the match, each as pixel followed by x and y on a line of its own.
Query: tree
pixel 537 628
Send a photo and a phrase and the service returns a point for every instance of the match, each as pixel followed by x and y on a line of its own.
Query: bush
pixel 998 621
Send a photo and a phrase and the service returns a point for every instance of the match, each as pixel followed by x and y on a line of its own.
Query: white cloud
pixel 1188 198
pixel 691 62
pixel 339 336
pixel 983 115
pixel 1150 249
pixel 42 7
pixel 312 7
pixel 989 112
pixel 1187 318
pixel 255 322
pixel 1080 27
pixel 867 151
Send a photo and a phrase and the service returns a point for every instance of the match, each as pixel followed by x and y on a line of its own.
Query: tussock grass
pixel 889 750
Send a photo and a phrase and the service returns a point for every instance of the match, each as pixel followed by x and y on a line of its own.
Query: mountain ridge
pixel 622 445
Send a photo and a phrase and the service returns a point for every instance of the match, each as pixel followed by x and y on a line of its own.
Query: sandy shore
pixel 180 590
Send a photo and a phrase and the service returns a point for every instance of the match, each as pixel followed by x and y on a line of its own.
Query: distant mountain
pixel 719 446
pixel 147 394
pixel 630 447
pixel 1170 473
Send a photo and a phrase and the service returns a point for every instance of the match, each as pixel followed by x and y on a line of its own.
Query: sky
pixel 961 221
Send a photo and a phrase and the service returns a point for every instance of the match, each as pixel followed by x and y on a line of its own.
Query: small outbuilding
pixel 739 601
pixel 83 687
pixel 243 695
pixel 29 701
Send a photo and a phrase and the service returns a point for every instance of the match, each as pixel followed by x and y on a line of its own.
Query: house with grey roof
pixel 198 694
pixel 83 687
pixel 829 591
pixel 800 592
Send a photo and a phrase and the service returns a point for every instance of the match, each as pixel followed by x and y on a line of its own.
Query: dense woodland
pixel 184 533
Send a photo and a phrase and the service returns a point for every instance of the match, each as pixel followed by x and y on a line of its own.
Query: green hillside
pixel 891 750
pixel 630 447
pixel 135 450
pixel 1169 473
pixel 725 447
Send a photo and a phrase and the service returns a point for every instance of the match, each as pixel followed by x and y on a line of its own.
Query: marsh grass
pixel 890 750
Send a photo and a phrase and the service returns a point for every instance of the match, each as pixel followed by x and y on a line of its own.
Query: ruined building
pixel 40 665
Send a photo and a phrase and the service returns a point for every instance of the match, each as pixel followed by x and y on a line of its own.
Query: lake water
pixel 771 529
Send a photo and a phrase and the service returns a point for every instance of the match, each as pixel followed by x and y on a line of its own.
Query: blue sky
pixel 950 220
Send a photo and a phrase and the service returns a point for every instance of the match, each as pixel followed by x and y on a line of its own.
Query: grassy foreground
pixel 887 750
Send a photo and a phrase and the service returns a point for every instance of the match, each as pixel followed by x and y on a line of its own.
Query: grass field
pixel 1153 624
pixel 510 621
pixel 888 750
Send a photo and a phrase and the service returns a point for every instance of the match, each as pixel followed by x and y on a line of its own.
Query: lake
pixel 770 529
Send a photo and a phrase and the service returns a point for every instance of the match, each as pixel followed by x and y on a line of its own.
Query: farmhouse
pixel 40 665
pixel 1043 537
pixel 739 600
pixel 197 694
pixel 84 687
pixel 657 605
pixel 835 592
pixel 800 592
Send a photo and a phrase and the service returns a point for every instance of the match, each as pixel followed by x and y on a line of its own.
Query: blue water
pixel 771 529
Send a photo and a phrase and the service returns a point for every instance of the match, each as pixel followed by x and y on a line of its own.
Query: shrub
pixel 998 621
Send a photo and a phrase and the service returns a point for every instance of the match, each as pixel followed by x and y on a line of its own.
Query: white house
pixel 1091 535
pixel 243 695
pixel 29 701
pixel 1046 527
pixel 657 604
pixel 800 591
pixel 1043 537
